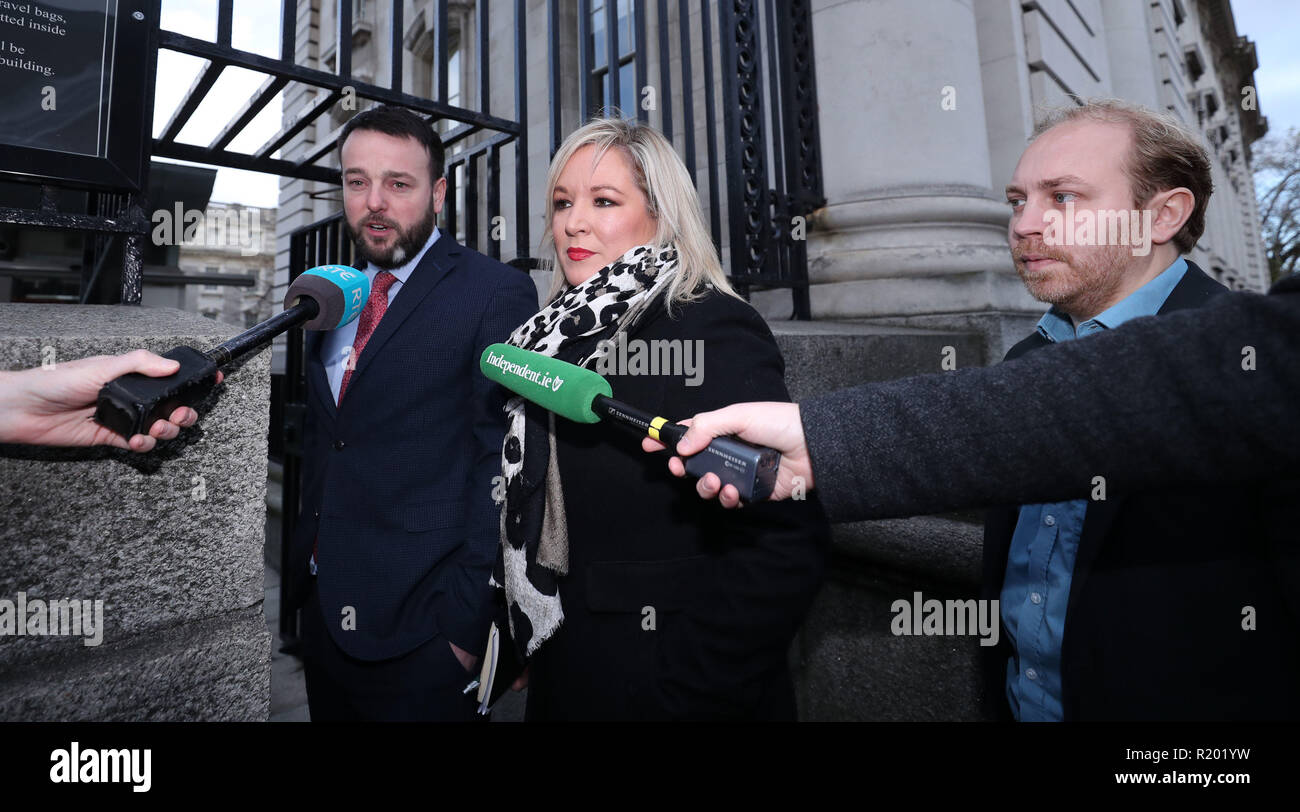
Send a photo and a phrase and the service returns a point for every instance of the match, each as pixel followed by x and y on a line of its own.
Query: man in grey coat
pixel 1207 397
pixel 1153 581
pixel 1218 393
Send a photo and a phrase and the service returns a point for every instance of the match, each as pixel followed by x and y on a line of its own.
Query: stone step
pixel 928 547
pixel 849 665
pixel 821 356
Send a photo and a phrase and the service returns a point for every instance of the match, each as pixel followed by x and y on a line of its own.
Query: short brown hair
pixel 1165 155
pixel 399 123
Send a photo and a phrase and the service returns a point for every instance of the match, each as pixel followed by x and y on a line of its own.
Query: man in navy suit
pixel 399 528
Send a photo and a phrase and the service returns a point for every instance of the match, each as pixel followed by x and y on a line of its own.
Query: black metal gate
pixel 768 90
pixel 768 116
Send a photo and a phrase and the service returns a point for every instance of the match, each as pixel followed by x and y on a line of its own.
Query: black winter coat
pixel 674 607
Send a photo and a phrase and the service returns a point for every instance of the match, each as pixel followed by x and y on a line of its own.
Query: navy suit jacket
pixel 398 479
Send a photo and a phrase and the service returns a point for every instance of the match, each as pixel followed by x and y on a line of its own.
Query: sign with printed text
pixel 56 65
pixel 76 99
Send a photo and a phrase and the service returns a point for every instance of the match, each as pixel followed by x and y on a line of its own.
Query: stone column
pixel 169 542
pixel 1134 75
pixel 913 232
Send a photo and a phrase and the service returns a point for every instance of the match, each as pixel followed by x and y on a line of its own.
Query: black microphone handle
pixel 661 429
pixel 131 403
pixel 751 469
pixel 259 335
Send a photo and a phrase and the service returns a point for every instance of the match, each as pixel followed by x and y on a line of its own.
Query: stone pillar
pixel 170 541
pixel 1134 75
pixel 1008 99
pixel 849 663
pixel 913 232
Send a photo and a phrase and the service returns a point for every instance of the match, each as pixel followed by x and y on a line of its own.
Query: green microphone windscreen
pixel 556 386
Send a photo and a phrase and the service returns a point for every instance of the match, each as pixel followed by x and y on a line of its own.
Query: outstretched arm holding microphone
pixel 1194 397
pixel 54 405
pixel 774 425
pixel 133 400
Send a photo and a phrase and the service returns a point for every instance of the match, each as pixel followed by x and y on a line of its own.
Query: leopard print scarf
pixel 534 537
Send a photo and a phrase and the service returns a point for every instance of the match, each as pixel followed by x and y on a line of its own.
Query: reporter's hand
pixel 521 682
pixel 54 405
pixel 775 425
pixel 467 661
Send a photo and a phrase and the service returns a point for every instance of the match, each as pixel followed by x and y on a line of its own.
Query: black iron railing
pixel 768 101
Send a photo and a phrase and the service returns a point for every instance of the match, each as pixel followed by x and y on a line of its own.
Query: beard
pixel 1086 285
pixel 408 243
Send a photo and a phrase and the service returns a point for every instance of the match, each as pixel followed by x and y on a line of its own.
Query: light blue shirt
pixel 337 344
pixel 1040 562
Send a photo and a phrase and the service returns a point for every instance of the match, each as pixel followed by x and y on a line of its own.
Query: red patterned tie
pixel 376 307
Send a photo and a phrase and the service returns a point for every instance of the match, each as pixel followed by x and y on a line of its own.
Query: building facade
pixel 236 241
pixel 915 229
pixel 226 256
pixel 923 109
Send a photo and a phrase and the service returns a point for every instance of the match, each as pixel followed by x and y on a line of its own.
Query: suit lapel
pixel 1033 342
pixel 438 261
pixel 1000 522
pixel 1097 520
pixel 317 380
pixel 999 526
pixel 1195 289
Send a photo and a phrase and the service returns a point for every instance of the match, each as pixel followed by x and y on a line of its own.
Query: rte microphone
pixel 323 298
pixel 584 397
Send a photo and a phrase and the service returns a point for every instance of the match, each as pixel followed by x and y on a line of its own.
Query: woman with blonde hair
pixel 629 597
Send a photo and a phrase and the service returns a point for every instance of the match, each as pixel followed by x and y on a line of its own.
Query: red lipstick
pixel 578 254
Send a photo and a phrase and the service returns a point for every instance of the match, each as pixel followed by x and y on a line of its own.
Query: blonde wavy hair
pixel 662 177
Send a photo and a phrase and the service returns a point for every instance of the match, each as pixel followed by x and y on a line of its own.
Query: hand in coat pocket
pixel 521 682
pixel 467 661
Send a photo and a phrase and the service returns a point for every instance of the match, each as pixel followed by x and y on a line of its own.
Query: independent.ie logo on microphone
pixel 537 376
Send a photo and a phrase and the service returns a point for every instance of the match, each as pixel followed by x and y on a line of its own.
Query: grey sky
pixel 1274 26
pixel 256 28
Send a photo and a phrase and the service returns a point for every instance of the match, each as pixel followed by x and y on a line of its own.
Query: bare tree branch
pixel 1277 169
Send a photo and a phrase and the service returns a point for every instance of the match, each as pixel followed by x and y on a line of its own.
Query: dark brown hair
pixel 399 123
